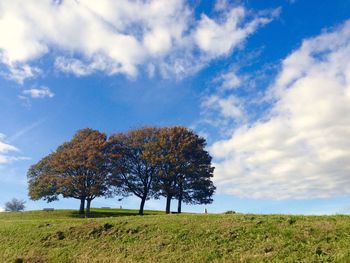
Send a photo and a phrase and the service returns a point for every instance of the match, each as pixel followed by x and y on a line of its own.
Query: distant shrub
pixel 230 212
pixel 14 205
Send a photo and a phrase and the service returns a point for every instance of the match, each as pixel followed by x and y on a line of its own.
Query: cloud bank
pixel 302 148
pixel 117 37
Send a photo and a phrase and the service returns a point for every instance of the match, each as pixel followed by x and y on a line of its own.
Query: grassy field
pixel 115 235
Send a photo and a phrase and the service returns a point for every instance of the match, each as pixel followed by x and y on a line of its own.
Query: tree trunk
pixel 168 204
pixel 88 203
pixel 82 206
pixel 179 204
pixel 143 201
pixel 180 196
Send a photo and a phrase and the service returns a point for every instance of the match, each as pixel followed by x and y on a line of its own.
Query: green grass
pixel 120 236
pixel 67 214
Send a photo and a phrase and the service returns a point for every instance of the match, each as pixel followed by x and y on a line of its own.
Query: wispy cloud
pixel 18 72
pixel 24 131
pixel 5 147
pixel 8 152
pixel 38 93
pixel 222 112
pixel 221 106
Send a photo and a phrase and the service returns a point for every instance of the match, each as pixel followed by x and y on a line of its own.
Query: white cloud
pixel 38 93
pixel 230 80
pixel 4 147
pixel 116 37
pixel 73 65
pixel 228 107
pixel 221 5
pixel 302 148
pixel 17 71
pixel 222 108
pixel 222 112
pixel 219 37
pixel 6 151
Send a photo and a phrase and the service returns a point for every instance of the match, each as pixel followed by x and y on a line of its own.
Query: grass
pixel 120 236
pixel 67 214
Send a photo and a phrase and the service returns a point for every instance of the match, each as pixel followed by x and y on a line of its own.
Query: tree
pixel 14 205
pixel 198 188
pixel 42 183
pixel 195 184
pixel 77 169
pixel 185 169
pixel 130 163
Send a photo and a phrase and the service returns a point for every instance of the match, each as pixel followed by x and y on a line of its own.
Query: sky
pixel 267 83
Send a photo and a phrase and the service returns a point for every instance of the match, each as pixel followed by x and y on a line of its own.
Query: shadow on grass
pixel 102 214
pixel 95 213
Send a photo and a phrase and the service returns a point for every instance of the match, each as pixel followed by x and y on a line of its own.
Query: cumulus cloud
pixel 38 93
pixel 116 37
pixel 302 148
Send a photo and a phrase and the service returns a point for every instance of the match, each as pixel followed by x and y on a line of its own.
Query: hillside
pixel 119 236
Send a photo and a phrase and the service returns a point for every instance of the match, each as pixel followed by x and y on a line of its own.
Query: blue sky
pixel 266 82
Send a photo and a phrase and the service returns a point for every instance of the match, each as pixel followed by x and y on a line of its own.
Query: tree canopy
pixel 185 167
pixel 14 205
pixel 77 169
pixel 132 171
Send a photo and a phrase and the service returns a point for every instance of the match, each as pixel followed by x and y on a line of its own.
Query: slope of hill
pixel 118 236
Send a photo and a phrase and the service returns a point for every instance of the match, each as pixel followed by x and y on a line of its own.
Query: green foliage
pixel 61 236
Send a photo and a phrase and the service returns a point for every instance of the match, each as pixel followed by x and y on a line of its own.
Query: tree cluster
pixel 148 162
